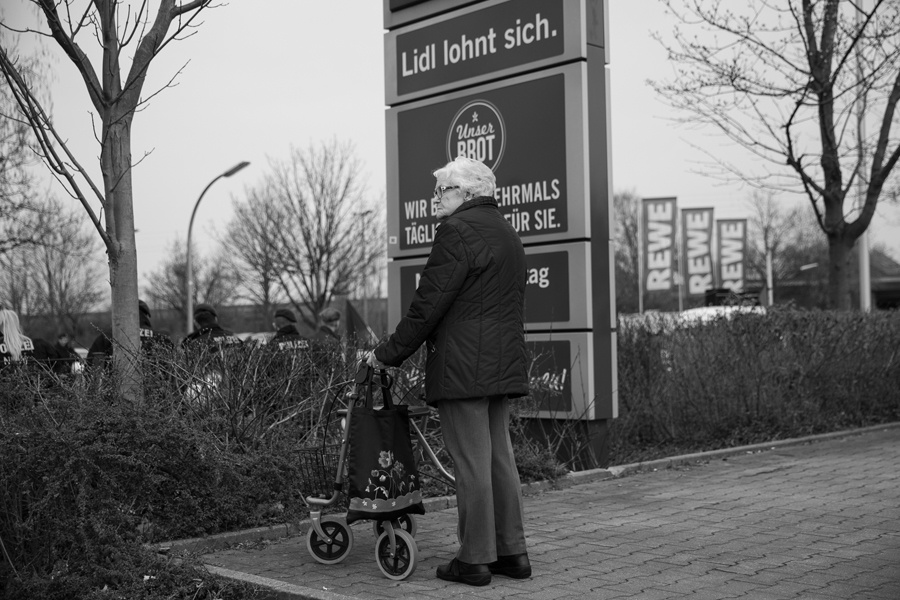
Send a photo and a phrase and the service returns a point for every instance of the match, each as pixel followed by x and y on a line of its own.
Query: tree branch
pixel 43 129
pixel 74 52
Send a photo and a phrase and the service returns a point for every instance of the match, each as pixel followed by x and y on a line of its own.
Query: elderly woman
pixel 469 311
pixel 14 346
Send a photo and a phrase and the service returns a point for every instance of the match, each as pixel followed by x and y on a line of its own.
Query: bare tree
pixel 252 243
pixel 627 211
pixel 214 280
pixel 60 276
pixel 794 240
pixel 17 289
pixel 803 258
pixel 325 243
pixel 66 268
pixel 19 214
pixel 769 230
pixel 795 82
pixel 373 233
pixel 121 30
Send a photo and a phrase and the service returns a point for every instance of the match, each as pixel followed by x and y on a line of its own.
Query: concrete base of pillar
pixel 580 444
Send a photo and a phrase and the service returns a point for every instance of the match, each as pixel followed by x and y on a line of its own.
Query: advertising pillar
pixel 523 86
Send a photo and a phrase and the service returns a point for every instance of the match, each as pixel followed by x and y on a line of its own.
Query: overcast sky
pixel 265 75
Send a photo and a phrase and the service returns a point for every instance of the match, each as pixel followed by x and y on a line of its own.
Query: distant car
pixel 261 337
pixel 652 321
pixel 706 314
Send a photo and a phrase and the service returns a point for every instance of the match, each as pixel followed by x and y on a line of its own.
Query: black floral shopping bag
pixel 383 477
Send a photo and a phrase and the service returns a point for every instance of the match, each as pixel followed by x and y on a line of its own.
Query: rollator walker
pixel 330 539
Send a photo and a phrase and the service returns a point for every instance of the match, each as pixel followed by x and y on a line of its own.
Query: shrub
pixel 210 449
pixel 753 378
pixel 133 574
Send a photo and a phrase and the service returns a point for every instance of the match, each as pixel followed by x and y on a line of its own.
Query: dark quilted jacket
pixel 468 309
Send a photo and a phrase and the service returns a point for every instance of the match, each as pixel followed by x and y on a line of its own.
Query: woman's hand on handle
pixel 374 362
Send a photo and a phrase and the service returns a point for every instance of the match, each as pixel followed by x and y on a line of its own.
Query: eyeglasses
pixel 439 191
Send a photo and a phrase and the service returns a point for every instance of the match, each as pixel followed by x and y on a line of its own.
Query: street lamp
pixel 803 269
pixel 190 295
pixel 365 260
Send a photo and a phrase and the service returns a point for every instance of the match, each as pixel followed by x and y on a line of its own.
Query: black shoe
pixel 463 572
pixel 516 566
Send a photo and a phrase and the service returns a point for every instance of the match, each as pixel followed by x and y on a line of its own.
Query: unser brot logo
pixel 477 131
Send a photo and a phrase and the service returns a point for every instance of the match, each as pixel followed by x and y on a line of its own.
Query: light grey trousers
pixel 488 491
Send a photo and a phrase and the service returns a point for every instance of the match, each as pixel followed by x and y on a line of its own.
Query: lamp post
pixel 188 274
pixel 365 260
pixel 865 274
pixel 803 269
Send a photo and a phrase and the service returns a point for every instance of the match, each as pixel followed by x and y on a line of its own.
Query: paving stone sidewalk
pixel 814 520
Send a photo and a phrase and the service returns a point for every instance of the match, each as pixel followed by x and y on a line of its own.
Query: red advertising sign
pixel 491 39
pixel 551 375
pixel 538 190
pixel 523 86
pixel 480 42
pixel 401 4
pixel 732 251
pixel 556 293
pixel 562 377
pixel 404 12
pixel 658 221
pixel 697 250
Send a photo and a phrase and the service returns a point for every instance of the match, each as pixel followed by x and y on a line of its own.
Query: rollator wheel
pixel 402 563
pixel 407 524
pixel 329 553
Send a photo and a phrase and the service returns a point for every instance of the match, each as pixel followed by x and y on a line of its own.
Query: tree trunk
pixel 839 253
pixel 115 160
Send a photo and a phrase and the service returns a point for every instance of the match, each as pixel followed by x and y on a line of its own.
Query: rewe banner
pixel 658 220
pixel 701 259
pixel 732 251
pixel 696 244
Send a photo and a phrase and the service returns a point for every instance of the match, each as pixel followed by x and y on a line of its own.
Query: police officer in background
pixel 208 331
pixel 287 337
pixel 151 341
pixel 66 360
pixel 329 322
pixel 15 346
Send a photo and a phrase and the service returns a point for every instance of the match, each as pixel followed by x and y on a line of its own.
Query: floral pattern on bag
pixel 392 480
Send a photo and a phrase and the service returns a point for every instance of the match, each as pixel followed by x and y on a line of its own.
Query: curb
pixel 284 591
pixel 698 457
pixel 269 532
pixel 279 590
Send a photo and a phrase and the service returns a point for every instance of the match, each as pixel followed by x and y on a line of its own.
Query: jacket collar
pixel 478 201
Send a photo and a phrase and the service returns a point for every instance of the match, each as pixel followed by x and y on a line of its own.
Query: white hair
pixel 12 333
pixel 470 175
